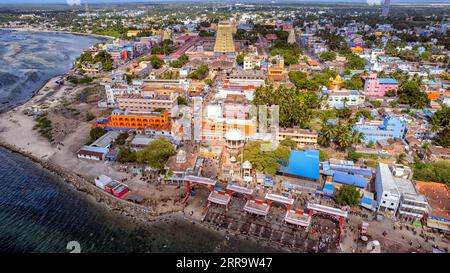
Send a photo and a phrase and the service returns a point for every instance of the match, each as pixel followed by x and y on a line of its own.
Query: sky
pixel 130 1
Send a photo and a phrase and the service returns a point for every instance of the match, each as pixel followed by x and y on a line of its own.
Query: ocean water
pixel 41 213
pixel 28 59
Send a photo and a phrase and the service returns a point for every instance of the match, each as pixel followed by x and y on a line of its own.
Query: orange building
pixel 129 122
pixel 276 73
pixel 434 95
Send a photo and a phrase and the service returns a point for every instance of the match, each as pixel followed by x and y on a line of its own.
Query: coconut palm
pixel 327 133
pixel 401 159
pixel 342 138
pixel 356 138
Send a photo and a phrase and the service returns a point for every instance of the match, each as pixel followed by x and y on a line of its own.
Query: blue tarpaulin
pixel 366 201
pixel 303 164
pixel 366 172
pixel 357 181
pixel 328 188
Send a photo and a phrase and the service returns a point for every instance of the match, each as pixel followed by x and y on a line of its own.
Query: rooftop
pixel 105 140
pixel 438 196
pixel 303 164
pixel 387 81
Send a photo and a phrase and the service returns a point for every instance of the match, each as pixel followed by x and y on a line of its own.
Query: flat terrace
pixel 296 218
pixel 219 198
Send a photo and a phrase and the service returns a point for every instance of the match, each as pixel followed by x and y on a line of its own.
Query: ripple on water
pixel 39 213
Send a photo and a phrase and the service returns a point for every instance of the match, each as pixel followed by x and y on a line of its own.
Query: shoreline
pixel 58 31
pixel 138 214
pixel 81 184
pixel 33 94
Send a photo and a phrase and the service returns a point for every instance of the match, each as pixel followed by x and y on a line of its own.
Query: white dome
pixel 234 135
pixel 233 159
pixel 247 165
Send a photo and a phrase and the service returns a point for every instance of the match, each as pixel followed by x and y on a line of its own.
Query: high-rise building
pixel 385 12
pixel 224 38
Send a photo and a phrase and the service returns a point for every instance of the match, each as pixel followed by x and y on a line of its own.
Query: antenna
pixel 386 5
pixel 86 9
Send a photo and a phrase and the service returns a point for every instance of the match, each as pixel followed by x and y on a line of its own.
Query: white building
pixel 395 192
pixel 339 98
pixel 114 90
pixel 387 193
pixel 251 62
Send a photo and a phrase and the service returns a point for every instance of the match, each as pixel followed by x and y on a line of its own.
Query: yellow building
pixel 224 38
pixel 133 33
pixel 357 49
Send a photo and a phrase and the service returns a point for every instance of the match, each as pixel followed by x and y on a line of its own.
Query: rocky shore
pixel 82 184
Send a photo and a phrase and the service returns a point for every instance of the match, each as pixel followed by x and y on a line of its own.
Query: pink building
pixel 379 86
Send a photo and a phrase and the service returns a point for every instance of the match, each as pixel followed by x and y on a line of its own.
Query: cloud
pixel 374 2
pixel 73 2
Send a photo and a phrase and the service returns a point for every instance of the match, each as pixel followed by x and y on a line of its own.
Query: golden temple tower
pixel 224 38
pixel 166 35
pixel 336 83
pixel 291 38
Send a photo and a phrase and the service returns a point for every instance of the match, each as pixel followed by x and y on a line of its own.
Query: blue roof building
pixel 302 164
pixel 390 127
pixel 387 81
pixel 349 179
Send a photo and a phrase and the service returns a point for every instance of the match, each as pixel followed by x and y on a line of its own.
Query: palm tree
pixel 401 159
pixel 356 138
pixel 342 138
pixel 327 133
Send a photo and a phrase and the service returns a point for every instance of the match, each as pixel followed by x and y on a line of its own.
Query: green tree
pixel 348 195
pixel 266 160
pixel 126 155
pixel 209 82
pixel 240 59
pixel 182 101
pixel 86 56
pixel 295 108
pixel 354 83
pixel 354 62
pixel 401 159
pixel 409 92
pixel 438 171
pixel 156 62
pixel 443 138
pixel 328 56
pixel 323 156
pixel 95 134
pixel 200 73
pixel 121 138
pixel 326 134
pixel 105 59
pixel 289 142
pixel 356 138
pixel 441 118
pixel 180 62
pixel 156 153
